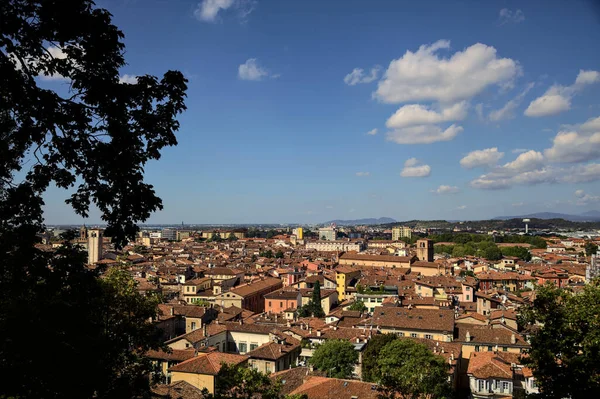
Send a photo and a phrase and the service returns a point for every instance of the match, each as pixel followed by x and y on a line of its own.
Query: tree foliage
pixel 410 369
pixel 565 345
pixel 239 382
pixel 93 136
pixel 313 308
pixel 370 367
pixel 336 358
pixel 358 305
pixel 518 252
pixel 590 249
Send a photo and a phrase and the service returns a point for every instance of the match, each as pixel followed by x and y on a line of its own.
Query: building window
pixel 505 349
pixel 280 304
pixel 193 325
pixel 480 385
pixel 253 345
pixel 270 305
pixel 401 334
pixel 505 386
pixel 490 349
pixel 468 298
pixel 413 335
pixel 243 347
pixel 476 348
pixel 428 336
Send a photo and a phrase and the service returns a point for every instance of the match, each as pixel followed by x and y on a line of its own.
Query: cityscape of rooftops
pixel 267 199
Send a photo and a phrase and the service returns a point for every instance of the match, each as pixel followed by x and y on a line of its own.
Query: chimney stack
pixel 513 339
pixel 468 337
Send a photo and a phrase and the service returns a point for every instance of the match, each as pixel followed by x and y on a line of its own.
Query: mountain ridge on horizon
pixel 592 216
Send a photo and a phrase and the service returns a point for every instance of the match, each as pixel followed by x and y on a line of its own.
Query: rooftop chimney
pixel 513 339
pixel 468 337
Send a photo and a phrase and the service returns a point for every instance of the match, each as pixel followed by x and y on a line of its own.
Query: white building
pixel 328 233
pixel 336 246
pixel 94 246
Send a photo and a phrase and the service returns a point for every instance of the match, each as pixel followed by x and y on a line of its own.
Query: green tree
pixel 315 301
pixel 267 254
pixel 93 136
pixel 590 249
pixel 358 305
pixel 279 254
pixel 216 237
pixel 370 367
pixel 271 234
pixel 239 382
pixel 411 370
pixel 336 358
pixel 232 237
pixel 518 252
pixel 492 253
pixel 565 346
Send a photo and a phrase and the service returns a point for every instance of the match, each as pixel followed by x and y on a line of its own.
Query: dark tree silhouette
pixel 94 136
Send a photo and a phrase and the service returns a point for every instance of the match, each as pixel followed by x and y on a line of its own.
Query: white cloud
pixel 461 208
pixel 508 110
pixel 526 161
pixel 208 10
pixel 444 189
pixel 423 75
pixel 508 16
pixel 579 145
pixel 251 70
pixel 584 199
pixel 550 103
pixel 363 174
pixel 591 125
pixel 358 75
pixel 502 178
pixel 488 157
pixel 519 150
pixel 414 168
pixel 558 98
pixel 587 77
pixel 423 134
pixel 131 79
pixel 372 132
pixel 417 114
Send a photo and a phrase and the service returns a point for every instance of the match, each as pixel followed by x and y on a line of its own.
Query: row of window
pixel 243 347
pixel 415 335
pixel 293 305
pixel 493 385
pixel 489 348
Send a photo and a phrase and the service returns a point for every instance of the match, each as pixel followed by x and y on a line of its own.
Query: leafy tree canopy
pixel 336 358
pixel 565 345
pixel 370 367
pixel 93 136
pixel 410 369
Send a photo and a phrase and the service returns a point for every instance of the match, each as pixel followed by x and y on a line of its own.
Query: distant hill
pixel 355 222
pixel 589 216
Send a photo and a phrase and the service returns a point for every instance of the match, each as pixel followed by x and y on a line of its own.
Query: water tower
pixel 526 221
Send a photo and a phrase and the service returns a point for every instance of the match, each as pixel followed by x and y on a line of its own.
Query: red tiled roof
pixel 209 363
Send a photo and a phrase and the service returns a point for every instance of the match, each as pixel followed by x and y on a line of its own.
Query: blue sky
pixel 482 108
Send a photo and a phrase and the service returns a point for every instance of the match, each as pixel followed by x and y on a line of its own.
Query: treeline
pixel 471 238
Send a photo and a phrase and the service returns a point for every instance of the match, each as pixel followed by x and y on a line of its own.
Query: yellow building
pixel 201 371
pixel 399 232
pixel 299 233
pixel 343 278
